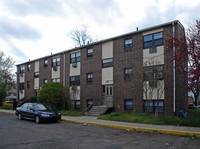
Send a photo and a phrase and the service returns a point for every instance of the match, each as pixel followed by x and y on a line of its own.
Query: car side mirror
pixel 32 109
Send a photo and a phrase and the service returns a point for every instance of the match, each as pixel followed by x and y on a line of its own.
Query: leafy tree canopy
pixel 53 94
pixel 6 76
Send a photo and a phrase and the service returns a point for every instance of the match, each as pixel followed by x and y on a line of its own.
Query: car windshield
pixel 39 107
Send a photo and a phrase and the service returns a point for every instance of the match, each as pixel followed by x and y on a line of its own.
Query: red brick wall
pixel 128 89
pixel 91 65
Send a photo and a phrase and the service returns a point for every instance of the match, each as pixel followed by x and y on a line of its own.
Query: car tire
pixel 37 119
pixel 20 117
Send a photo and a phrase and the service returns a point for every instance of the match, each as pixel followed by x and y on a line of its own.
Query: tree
pixel 53 94
pixel 81 36
pixel 189 48
pixel 153 85
pixel 6 76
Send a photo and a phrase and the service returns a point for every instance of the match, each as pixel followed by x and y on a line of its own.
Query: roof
pixel 106 40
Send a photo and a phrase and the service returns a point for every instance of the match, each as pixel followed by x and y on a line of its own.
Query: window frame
pixel 56 80
pixel 45 81
pixel 152 40
pixel 130 106
pixel 90 54
pixel 56 62
pixel 76 81
pixel 21 86
pixel 77 57
pixel 28 84
pixel 89 100
pixel 126 46
pixel 153 106
pixel 89 77
pixel 75 105
pixel 21 69
pixel 28 67
pixel 36 74
pixel 46 62
pixel 107 64
pixel 127 75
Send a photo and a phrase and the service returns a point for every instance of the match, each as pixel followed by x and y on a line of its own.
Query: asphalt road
pixel 23 134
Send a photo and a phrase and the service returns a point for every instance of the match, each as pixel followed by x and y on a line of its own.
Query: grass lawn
pixel 72 112
pixel 192 120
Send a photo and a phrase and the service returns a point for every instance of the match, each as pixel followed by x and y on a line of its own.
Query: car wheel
pixel 37 119
pixel 20 117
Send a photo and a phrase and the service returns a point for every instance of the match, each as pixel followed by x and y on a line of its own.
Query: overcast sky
pixel 30 29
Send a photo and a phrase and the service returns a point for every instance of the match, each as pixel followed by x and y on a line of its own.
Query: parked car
pixel 37 112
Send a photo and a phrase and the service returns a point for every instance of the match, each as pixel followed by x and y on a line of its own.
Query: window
pixel 45 81
pixel 75 80
pixel 152 105
pixel 89 77
pixel 46 62
pixel 90 52
pixel 152 40
pixel 36 74
pixel 21 86
pixel 22 69
pixel 107 63
pixel 75 57
pixel 28 84
pixel 128 44
pixel 89 102
pixel 56 62
pixel 29 67
pixel 128 73
pixel 128 104
pixel 55 80
pixel 76 104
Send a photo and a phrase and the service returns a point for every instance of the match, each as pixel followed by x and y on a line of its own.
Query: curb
pixel 139 129
pixel 7 112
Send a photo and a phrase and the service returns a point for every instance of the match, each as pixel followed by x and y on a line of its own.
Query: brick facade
pixel 123 88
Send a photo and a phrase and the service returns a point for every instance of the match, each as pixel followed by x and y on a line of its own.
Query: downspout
pixel 64 70
pixel 17 92
pixel 174 71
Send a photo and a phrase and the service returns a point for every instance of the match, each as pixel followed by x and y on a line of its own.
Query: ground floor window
pixel 128 104
pixel 152 105
pixel 89 102
pixel 76 104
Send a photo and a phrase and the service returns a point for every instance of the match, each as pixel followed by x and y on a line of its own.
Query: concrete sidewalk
pixel 164 129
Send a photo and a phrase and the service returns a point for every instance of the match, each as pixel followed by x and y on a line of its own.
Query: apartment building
pixel 127 72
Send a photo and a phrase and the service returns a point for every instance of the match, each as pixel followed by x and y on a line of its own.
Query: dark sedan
pixel 37 112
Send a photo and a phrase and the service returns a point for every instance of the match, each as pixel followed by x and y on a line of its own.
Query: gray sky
pixel 30 29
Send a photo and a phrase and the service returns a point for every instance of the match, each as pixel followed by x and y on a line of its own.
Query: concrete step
pixel 97 110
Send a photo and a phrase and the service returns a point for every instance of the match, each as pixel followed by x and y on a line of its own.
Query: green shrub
pixel 6 107
pixel 53 94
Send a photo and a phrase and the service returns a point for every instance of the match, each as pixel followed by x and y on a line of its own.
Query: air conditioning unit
pixel 74 65
pixel 74 88
pixel 55 68
pixel 153 83
pixel 158 75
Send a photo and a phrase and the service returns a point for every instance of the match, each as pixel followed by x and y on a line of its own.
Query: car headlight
pixel 45 115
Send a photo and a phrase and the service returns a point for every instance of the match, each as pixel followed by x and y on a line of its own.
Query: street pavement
pixel 164 129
